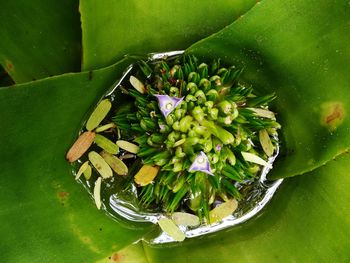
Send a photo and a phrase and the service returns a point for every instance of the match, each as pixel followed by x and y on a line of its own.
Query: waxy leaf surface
pixel 39 38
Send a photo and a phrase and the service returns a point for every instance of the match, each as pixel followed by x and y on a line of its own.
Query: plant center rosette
pixel 185 140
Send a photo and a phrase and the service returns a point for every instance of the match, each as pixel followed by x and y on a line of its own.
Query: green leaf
pixel 45 215
pixel 39 38
pixel 297 49
pixel 307 221
pixel 112 29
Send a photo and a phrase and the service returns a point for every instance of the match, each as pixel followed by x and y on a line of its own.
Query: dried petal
pixel 222 210
pixel 263 113
pixel 146 174
pixel 185 219
pixel 97 193
pixel 106 144
pixel 201 163
pixel 100 164
pixel 98 114
pixel 137 84
pixel 82 169
pixel 249 157
pixel 167 104
pixel 128 146
pixel 115 163
pixel 88 172
pixel 266 143
pixel 169 227
pixel 81 145
pixel 105 127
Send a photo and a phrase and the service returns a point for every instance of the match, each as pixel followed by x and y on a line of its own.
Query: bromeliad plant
pixel 207 133
pixel 202 137
pixel 298 49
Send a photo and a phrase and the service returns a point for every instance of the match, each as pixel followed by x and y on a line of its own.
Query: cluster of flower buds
pixel 208 133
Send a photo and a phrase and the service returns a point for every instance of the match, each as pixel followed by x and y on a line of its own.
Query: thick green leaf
pixel 307 221
pixel 298 49
pixel 45 215
pixel 39 38
pixel 112 29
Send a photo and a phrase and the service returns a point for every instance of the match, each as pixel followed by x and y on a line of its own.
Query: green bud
pixel 203 70
pixel 200 130
pixel 176 126
pixel 231 158
pixel 212 95
pixel 205 84
pixel 185 123
pixel 173 136
pixel 225 107
pixel 190 97
pixel 201 98
pixel 207 145
pixel 174 92
pixel 214 158
pixel 194 77
pixel 191 88
pixel 216 80
pixel 209 105
pixel 213 113
pixel 170 119
pixel 179 153
pixel 179 113
pixel 198 114
pixel 222 71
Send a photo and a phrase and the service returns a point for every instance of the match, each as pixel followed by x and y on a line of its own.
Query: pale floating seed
pixel 266 143
pixel 98 114
pixel 146 174
pixel 88 172
pixel 263 113
pixel 222 210
pixel 127 156
pixel 137 84
pixel 97 193
pixel 82 169
pixel 249 157
pixel 115 163
pixel 100 164
pixel 185 219
pixel 106 144
pixel 128 146
pixel 105 127
pixel 80 146
pixel 169 227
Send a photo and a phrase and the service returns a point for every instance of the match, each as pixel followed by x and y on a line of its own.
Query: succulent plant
pixel 298 49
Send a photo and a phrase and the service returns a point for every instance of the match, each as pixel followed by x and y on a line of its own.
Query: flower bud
pixel 198 114
pixel 201 98
pixel 212 95
pixel 191 88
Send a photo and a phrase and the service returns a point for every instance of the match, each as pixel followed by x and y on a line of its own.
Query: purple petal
pixel 167 104
pixel 218 147
pixel 201 164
